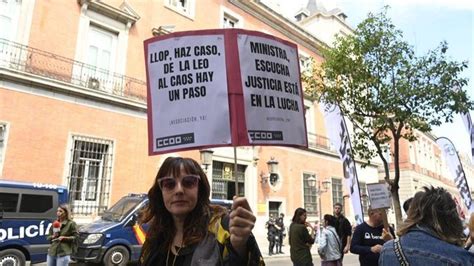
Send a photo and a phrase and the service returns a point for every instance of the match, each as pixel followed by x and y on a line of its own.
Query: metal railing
pixel 34 61
pixel 316 141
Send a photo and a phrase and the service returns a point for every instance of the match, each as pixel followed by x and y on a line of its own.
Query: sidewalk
pixel 263 245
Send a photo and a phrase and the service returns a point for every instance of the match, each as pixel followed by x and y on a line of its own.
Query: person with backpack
pixel 330 246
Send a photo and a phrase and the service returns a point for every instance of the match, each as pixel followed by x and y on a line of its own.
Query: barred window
pixel 310 196
pixel 223 180
pixel 337 192
pixel 90 174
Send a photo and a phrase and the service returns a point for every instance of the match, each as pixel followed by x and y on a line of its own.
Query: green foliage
pixel 386 91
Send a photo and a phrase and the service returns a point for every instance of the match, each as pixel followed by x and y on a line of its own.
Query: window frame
pixel 227 13
pixel 103 182
pixel 335 198
pixel 308 206
pixel 188 10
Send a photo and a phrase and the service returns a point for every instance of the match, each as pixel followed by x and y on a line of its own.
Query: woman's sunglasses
pixel 169 183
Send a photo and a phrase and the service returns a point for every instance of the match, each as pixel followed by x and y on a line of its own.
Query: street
pixel 284 260
pixel 349 260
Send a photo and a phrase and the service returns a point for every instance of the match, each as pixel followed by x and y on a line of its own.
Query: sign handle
pixel 235 173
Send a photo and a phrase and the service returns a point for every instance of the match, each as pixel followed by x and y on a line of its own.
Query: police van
pixel 26 213
pixel 117 237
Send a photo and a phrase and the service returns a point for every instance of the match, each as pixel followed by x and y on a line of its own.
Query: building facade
pixel 73 106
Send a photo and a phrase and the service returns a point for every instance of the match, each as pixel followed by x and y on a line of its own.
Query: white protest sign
pixel 272 90
pixel 224 87
pixel 188 102
pixel 379 195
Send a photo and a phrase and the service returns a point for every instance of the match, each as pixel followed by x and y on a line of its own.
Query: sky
pixel 424 23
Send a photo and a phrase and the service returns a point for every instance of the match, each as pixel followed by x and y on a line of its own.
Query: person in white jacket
pixel 329 243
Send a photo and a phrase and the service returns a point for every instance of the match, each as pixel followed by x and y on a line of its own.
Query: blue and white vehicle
pixel 117 237
pixel 26 214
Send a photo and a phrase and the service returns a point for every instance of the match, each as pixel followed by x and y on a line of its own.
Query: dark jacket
pixel 343 228
pixel 300 244
pixel 214 249
pixel 65 247
pixel 364 237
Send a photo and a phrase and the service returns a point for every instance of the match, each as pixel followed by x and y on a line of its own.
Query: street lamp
pixel 312 183
pixel 272 165
pixel 206 158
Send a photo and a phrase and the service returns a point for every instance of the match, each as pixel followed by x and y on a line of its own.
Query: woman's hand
pixel 241 223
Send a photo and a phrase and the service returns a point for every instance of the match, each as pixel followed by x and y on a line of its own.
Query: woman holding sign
pixel 186 230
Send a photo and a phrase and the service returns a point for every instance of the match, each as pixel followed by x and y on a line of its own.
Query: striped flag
pixel 339 137
pixel 457 172
pixel 466 118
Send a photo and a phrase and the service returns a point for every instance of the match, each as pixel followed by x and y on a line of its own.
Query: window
pixel 185 7
pixel 310 196
pixel 102 44
pixel 36 203
pixel 229 21
pixel 305 63
pixel 8 202
pixel 274 209
pixel 9 17
pixel 223 180
pixel 3 144
pixel 364 197
pixel 90 174
pixel 101 52
pixel 337 192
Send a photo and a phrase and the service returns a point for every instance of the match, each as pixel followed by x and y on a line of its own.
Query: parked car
pixel 117 238
pixel 27 211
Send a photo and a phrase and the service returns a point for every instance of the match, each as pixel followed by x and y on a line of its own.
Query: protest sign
pixel 272 90
pixel 380 198
pixel 198 97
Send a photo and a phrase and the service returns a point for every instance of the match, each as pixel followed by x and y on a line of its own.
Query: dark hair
pixel 298 213
pixel 406 204
pixel 331 220
pixel 338 204
pixel 65 207
pixel 435 209
pixel 161 222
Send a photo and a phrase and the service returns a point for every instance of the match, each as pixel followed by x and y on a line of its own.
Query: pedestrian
pixel 272 234
pixel 280 225
pixel 343 228
pixel 300 239
pixel 369 237
pixel 330 246
pixel 432 234
pixel 62 235
pixel 184 229
pixel 470 239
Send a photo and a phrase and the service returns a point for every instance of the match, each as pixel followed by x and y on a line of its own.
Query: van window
pixel 8 202
pixel 36 203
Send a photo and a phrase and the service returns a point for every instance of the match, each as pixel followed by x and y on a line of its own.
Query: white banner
pixel 466 118
pixel 457 172
pixel 187 82
pixel 339 137
pixel 272 91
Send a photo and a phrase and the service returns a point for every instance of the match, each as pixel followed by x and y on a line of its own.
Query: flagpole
pixel 235 172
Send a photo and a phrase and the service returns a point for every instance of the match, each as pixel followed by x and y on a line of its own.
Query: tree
pixel 386 91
